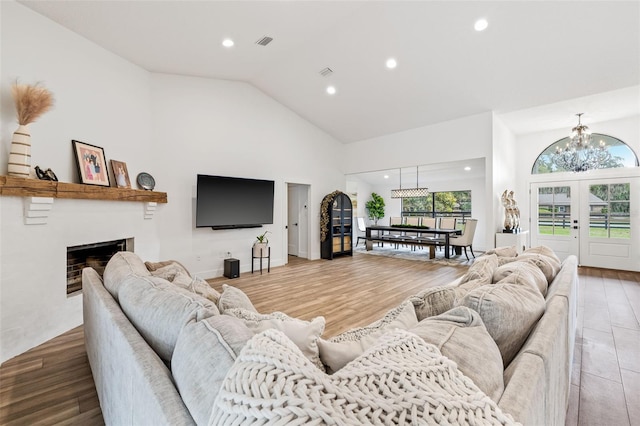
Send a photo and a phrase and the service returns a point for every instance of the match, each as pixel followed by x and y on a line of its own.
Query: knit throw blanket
pixel 401 380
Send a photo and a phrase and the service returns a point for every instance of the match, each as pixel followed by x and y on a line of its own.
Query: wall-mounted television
pixel 224 202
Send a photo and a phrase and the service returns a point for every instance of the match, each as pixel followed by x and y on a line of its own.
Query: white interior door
pixel 609 235
pixel 555 217
pixel 298 220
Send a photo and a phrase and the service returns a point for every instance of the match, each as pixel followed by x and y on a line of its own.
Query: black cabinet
pixel 336 225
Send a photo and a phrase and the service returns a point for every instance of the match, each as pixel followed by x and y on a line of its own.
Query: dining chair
pixel 466 239
pixel 362 229
pixel 429 222
pixel 412 236
pixel 395 236
pixel 448 223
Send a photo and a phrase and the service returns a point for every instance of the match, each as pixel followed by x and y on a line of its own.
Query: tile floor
pixel 605 380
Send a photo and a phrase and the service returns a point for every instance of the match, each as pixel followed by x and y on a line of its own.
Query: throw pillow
pixel 433 301
pixel 401 380
pixel 481 269
pixel 159 310
pixel 170 271
pixel 196 285
pixel 154 266
pixel 462 337
pixel 548 265
pixel 304 334
pixel 205 352
pixel 461 290
pixel 505 260
pixel 503 251
pixel 543 250
pixel 344 348
pixel 232 298
pixel 522 272
pixel 509 311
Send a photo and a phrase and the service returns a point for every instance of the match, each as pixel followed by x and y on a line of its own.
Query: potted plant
pixel 261 246
pixel 375 207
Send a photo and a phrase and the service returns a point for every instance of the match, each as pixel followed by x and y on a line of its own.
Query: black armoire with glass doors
pixel 336 225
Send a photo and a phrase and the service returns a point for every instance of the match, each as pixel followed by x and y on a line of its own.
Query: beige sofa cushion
pixel 462 337
pixel 343 348
pixel 154 266
pixel 481 269
pixel 159 310
pixel 507 251
pixel 522 272
pixel 304 334
pixel 122 265
pixel 433 301
pixel 548 265
pixel 464 288
pixel 204 353
pixel 543 250
pixel 232 298
pixel 509 311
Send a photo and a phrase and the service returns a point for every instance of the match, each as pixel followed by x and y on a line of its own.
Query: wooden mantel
pixel 21 187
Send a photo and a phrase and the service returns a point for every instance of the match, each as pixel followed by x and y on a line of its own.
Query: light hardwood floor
pixel 52 383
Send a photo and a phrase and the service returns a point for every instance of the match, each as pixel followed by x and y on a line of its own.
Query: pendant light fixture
pixel 409 192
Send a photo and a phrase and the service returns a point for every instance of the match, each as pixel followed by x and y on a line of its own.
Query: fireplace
pixel 94 255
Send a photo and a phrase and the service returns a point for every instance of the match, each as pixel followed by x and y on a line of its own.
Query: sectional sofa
pixel 495 346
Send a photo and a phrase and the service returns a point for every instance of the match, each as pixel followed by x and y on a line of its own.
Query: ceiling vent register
pixel 264 41
pixel 326 72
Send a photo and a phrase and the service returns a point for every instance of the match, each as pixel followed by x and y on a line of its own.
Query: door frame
pixel 304 232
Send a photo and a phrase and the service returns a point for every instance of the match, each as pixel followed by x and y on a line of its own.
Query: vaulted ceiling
pixel 534 56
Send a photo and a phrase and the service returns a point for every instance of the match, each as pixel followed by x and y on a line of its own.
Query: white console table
pixel 519 240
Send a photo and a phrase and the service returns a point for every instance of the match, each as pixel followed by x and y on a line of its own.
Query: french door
pixel 597 220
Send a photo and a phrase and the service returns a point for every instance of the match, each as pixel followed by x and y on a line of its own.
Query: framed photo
pixel 92 167
pixel 120 174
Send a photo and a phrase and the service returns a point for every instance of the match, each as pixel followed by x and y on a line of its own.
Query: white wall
pixel 232 129
pixel 530 145
pixel 172 127
pixel 100 99
pixel 505 162
pixel 455 140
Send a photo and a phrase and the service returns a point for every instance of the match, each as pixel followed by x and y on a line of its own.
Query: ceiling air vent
pixel 264 41
pixel 326 72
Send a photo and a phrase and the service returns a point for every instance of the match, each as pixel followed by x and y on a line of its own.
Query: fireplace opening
pixel 94 255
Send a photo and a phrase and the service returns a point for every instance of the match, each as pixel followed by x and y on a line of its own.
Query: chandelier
pixel 409 192
pixel 579 155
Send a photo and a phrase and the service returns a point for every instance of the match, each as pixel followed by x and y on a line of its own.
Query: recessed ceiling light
pixel 391 63
pixel 467 168
pixel 481 25
pixel 331 90
pixel 227 42
pixel 386 176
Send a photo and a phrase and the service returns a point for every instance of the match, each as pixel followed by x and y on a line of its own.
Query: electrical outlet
pixel 198 258
pixel 228 255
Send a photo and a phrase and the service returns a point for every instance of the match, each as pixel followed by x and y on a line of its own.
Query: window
pixel 437 204
pixel 621 154
pixel 609 211
pixel 554 208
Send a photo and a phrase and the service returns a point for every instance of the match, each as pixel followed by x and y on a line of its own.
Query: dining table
pixel 381 236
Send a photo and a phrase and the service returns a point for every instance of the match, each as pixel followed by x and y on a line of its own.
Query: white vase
pixel 261 250
pixel 20 154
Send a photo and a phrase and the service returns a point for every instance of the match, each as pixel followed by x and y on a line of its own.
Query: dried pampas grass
pixel 31 101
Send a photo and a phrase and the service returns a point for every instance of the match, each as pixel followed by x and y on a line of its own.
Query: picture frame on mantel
pixel 120 174
pixel 92 166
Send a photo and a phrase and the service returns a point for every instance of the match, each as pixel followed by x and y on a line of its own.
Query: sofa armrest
pixel 133 384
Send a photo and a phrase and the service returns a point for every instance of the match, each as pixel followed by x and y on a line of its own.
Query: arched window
pixel 621 155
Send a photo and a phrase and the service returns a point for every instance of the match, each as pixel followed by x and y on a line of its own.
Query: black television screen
pixel 228 202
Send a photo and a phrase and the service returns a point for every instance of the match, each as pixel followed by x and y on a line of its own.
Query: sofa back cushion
pixel 122 265
pixel 481 269
pixel 509 311
pixel 204 353
pixel 522 272
pixel 234 298
pixel 159 310
pixel 462 337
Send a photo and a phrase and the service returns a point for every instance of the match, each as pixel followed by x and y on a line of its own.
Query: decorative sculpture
pixel 511 212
